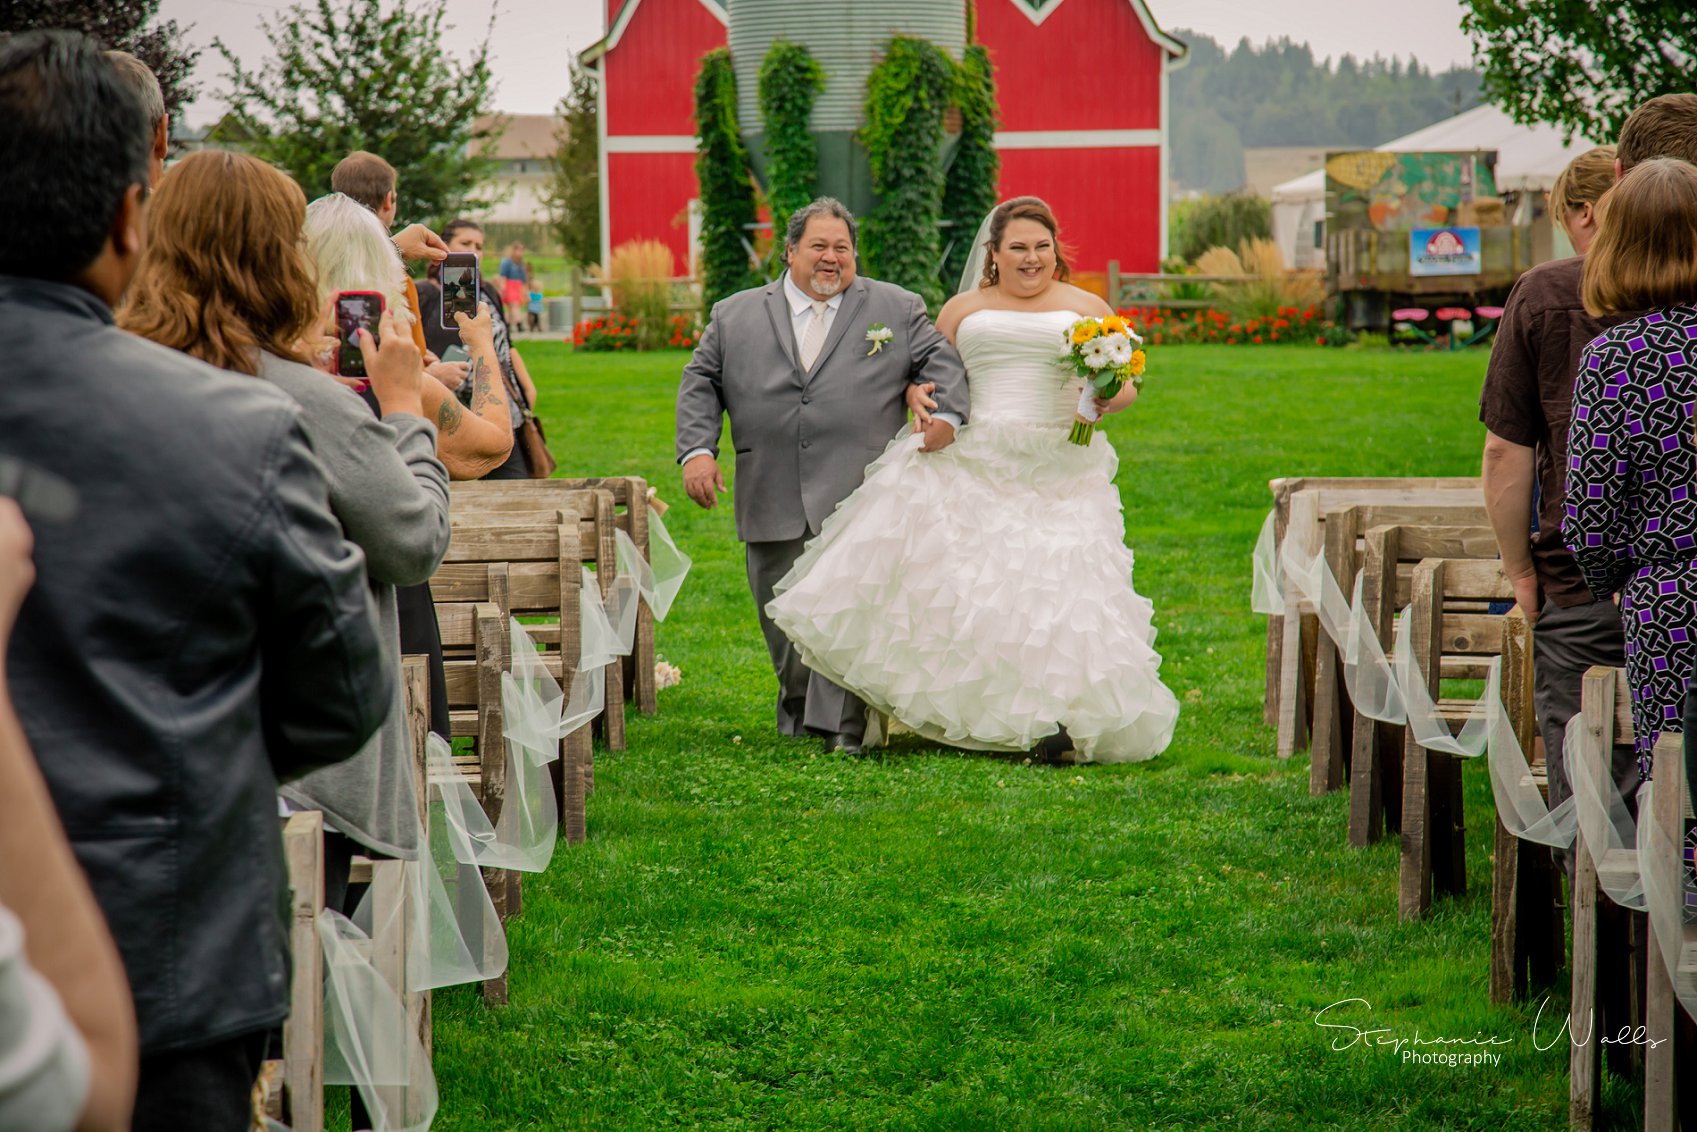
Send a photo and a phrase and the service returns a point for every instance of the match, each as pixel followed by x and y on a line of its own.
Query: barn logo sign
pixel 1444 251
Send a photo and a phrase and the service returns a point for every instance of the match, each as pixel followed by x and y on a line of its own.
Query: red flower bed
pixel 1160 326
pixel 621 332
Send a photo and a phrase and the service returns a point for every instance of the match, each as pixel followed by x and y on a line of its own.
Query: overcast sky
pixel 533 37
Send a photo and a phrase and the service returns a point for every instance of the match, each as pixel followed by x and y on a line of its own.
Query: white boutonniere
pixel 878 334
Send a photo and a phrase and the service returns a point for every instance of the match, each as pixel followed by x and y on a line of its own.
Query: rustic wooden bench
pixel 1606 710
pixel 1671 813
pixel 540 557
pixel 592 510
pixel 1344 533
pixel 1451 636
pixel 630 513
pixel 1299 511
pixel 1389 554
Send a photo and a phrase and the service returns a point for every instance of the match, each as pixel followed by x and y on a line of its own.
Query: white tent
pixel 1528 158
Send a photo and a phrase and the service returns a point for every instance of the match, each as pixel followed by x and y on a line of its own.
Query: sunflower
pixel 1084 332
pixel 1136 363
pixel 1115 324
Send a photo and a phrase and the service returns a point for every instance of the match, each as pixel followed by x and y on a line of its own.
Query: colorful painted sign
pixel 1443 251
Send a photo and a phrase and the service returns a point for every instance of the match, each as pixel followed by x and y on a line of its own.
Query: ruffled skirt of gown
pixel 982 596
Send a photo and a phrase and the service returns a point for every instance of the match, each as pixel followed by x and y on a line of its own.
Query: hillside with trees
pixel 1278 94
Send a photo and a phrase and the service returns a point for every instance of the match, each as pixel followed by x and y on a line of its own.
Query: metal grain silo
pixel 848 38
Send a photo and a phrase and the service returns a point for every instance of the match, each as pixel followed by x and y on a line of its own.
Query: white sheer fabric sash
pixel 1397 693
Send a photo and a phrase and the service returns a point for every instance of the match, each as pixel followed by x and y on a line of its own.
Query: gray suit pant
pixel 1566 642
pixel 807 702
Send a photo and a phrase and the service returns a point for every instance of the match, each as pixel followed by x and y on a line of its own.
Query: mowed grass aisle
pixel 761 935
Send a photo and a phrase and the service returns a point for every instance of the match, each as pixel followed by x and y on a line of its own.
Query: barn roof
pixel 1039 10
pixel 1035 10
pixel 620 22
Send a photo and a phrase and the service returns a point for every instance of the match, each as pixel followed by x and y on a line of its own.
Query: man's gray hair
pixel 820 206
pixel 141 79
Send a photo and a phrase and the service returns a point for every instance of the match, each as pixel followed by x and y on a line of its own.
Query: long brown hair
pixel 223 277
pixel 1022 208
pixel 1646 250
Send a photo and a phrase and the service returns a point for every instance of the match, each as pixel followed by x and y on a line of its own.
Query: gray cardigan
pixel 391 494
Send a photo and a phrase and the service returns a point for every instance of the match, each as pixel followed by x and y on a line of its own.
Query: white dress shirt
pixel 801 313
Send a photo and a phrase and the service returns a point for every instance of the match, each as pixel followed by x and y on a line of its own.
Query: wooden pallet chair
pixel 1297 653
pixel 630 514
pixel 1452 636
pixel 476 649
pixel 1283 489
pixel 1389 554
pixel 532 562
pixel 1606 709
pixel 1344 536
pixel 291 1089
pixel 592 510
pixel 1672 815
pixel 1526 914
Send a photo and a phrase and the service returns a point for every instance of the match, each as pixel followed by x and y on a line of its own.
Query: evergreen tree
pixel 574 194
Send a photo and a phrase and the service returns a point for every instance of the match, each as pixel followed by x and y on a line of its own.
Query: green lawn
pixel 761 935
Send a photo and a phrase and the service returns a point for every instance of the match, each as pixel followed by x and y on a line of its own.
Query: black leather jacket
pixel 197 632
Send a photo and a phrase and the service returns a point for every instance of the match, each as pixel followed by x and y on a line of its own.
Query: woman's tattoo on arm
pixel 449 416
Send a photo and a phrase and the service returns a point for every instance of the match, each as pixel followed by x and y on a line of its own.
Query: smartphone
pixel 459 287
pixel 456 353
pixel 354 310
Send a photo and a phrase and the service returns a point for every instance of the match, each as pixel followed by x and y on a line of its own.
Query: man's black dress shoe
pixel 844 742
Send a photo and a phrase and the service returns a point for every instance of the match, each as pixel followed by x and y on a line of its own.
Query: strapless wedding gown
pixel 982 594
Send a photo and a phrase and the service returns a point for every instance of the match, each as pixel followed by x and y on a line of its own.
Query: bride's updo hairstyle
pixel 1021 208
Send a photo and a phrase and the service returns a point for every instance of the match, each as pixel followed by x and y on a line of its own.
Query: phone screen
pixel 354 311
pixel 459 287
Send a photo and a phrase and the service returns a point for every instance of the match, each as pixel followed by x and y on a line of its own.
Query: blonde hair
pixel 1582 182
pixel 1646 250
pixel 351 252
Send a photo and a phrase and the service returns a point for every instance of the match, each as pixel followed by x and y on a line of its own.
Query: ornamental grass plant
pixel 640 272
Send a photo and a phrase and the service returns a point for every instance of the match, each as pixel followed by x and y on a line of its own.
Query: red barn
pixel 1082 87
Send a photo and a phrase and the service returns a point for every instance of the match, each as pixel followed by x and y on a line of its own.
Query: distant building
pixel 524 151
pixel 1082 86
pixel 1267 166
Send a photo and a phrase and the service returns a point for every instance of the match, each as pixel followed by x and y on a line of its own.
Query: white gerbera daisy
pixel 1095 353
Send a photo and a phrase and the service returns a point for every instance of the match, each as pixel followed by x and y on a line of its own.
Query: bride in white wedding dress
pixel 982 594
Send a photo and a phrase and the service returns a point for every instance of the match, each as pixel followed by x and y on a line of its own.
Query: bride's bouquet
pixel 1106 353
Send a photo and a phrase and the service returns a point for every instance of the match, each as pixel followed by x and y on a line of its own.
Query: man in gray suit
pixel 815 389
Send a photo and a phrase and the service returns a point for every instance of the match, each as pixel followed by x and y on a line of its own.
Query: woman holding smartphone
pixel 350 251
pixel 465 237
pixel 211 211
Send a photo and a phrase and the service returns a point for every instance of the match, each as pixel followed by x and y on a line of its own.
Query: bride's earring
pixel 995 273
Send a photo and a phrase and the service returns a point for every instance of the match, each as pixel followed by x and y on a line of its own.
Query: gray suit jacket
pixel 803 439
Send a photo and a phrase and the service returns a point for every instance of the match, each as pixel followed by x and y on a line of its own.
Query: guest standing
pixel 1525 406
pixel 202 630
pixel 1632 481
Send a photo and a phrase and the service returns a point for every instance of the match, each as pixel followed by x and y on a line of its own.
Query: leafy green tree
pixel 969 190
pixel 790 80
pixel 906 95
pixel 347 75
pixel 574 193
pixel 120 25
pixel 1582 65
pixel 727 189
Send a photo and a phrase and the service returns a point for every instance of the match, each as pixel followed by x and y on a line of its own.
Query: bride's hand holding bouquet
pixel 1106 352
